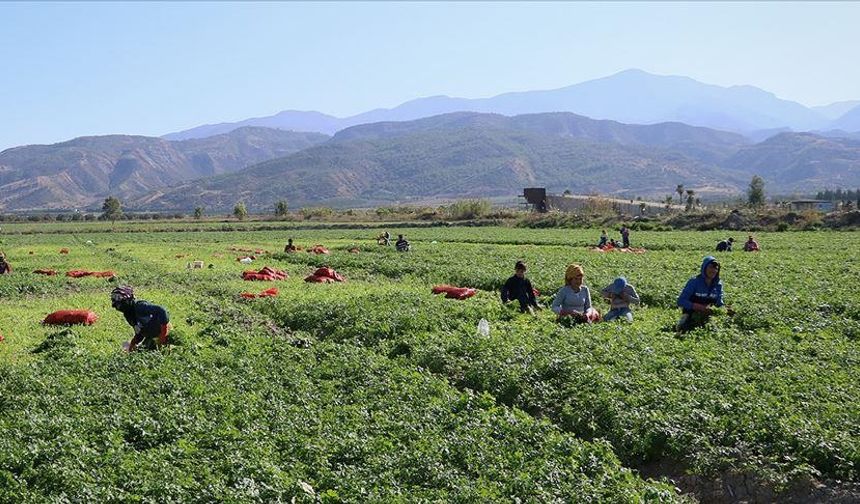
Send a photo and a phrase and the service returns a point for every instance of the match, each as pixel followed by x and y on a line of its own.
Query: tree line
pixel 839 195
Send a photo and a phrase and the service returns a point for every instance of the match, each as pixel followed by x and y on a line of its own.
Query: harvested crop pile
pixel 325 275
pixel 452 292
pixel 265 274
pixel 84 273
pixel 71 317
pixel 610 248
pixel 270 292
pixel 318 249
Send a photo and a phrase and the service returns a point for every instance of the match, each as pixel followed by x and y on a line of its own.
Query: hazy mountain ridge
pixel 84 170
pixel 631 96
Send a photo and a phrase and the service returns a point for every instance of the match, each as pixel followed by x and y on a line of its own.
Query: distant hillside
pixel 288 120
pixel 801 162
pixel 836 110
pixel 81 172
pixel 632 96
pixel 850 121
pixel 476 155
pixel 700 143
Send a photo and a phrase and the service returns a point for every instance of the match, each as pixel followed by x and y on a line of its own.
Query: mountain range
pixel 81 172
pixel 483 155
pixel 649 133
pixel 631 96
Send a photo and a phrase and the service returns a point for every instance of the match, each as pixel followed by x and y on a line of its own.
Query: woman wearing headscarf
pixel 620 295
pixel 574 299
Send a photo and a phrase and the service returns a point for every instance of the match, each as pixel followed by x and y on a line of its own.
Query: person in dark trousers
pixel 725 245
pixel 290 248
pixel 625 237
pixel 402 244
pixel 701 295
pixel 5 267
pixel 151 322
pixel 519 288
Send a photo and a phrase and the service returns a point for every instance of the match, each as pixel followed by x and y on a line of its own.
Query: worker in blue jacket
pixel 151 322
pixel 702 295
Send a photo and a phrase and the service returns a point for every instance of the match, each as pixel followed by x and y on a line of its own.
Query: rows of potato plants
pixel 243 407
pixel 772 391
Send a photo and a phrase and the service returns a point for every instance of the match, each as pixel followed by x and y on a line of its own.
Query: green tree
pixel 680 191
pixel 240 211
pixel 111 209
pixel 755 194
pixel 198 213
pixel 691 202
pixel 281 208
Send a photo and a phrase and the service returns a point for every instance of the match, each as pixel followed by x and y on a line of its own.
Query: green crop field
pixel 375 390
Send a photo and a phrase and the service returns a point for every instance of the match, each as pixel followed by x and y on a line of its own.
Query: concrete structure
pixel 540 201
pixel 817 205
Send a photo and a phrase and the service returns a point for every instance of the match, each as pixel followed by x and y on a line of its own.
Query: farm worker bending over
pixel 402 244
pixel 620 295
pixel 725 245
pixel 751 245
pixel 150 322
pixel 290 247
pixel 574 299
pixel 519 288
pixel 5 268
pixel 701 295
pixel 384 239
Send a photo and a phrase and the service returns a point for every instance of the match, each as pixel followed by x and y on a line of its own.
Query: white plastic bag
pixel 484 328
pixel 246 260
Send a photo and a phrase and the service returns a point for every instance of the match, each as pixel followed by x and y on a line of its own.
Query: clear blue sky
pixel 72 69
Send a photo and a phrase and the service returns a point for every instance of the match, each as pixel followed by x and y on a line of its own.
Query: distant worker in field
pixel 620 295
pixel 151 322
pixel 5 267
pixel 290 248
pixel 519 288
pixel 574 299
pixel 625 237
pixel 604 239
pixel 402 244
pixel 701 297
pixel 725 245
pixel 384 239
pixel 751 245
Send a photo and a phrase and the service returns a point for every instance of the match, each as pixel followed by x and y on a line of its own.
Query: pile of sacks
pixel 610 248
pixel 452 292
pixel 325 275
pixel 84 273
pixel 318 249
pixel 265 274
